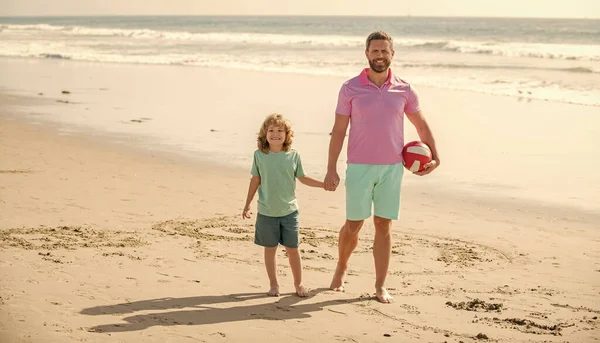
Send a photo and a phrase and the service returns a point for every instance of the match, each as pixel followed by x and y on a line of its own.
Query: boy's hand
pixel 246 213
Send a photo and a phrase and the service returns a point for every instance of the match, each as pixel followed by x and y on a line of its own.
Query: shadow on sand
pixel 287 307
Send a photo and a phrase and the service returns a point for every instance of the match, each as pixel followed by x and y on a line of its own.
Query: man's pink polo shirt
pixel 376 117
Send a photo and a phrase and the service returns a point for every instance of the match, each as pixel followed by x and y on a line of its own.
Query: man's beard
pixel 379 68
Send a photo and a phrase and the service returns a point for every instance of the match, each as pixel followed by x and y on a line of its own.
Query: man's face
pixel 379 54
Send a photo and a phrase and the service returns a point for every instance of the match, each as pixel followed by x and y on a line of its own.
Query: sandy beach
pixel 113 231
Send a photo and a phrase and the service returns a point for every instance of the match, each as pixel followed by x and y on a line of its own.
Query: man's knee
pixel 382 225
pixel 352 227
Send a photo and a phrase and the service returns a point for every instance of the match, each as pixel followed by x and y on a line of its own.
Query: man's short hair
pixel 379 35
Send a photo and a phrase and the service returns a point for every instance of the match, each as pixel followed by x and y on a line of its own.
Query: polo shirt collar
pixel 364 80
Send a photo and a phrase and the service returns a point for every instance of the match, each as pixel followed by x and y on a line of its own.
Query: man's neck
pixel 378 78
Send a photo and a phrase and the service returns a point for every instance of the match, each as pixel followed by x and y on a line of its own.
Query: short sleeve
pixel 344 106
pixel 299 172
pixel 412 103
pixel 254 171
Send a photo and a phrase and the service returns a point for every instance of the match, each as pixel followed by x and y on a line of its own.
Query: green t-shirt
pixel 278 172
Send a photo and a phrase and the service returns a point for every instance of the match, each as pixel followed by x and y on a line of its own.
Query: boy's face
pixel 275 135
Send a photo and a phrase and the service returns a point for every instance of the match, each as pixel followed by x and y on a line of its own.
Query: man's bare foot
pixel 383 296
pixel 302 292
pixel 274 291
pixel 337 283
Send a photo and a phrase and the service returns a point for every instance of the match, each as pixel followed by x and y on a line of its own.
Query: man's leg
pixel 347 242
pixel 359 200
pixel 386 198
pixel 382 250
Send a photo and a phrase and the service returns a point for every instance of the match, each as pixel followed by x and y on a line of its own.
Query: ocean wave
pixel 533 50
pixel 55 56
pixel 216 37
pixel 581 70
pixel 522 88
pixel 508 49
pixel 148 53
pixel 584 70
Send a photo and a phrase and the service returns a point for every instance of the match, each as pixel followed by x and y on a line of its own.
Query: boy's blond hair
pixel 279 121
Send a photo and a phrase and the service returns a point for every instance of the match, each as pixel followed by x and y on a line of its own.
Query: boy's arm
pixel 309 181
pixel 254 183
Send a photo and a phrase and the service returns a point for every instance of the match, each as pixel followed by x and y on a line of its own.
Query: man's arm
pixel 424 132
pixel 338 134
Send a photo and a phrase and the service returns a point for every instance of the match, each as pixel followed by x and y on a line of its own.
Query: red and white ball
pixel 415 155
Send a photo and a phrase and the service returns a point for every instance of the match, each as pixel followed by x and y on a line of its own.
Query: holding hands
pixel 332 180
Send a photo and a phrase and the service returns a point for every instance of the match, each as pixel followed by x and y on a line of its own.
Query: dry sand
pixel 103 243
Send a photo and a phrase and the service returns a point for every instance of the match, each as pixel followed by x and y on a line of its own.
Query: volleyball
pixel 415 155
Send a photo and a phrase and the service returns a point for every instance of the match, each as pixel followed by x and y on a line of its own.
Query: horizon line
pixel 287 15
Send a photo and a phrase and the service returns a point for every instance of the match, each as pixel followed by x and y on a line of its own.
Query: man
pixel 374 104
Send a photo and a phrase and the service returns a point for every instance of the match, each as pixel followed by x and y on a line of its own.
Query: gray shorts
pixel 271 231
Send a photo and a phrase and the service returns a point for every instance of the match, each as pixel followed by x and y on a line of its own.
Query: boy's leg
pixel 271 265
pixel 290 235
pixel 267 235
pixel 296 266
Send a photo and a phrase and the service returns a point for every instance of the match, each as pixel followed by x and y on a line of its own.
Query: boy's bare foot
pixel 383 296
pixel 337 283
pixel 302 292
pixel 274 291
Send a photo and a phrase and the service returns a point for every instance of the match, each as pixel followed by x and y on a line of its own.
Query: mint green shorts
pixel 373 186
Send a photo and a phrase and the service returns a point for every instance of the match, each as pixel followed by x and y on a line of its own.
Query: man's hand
pixel 425 135
pixel 428 168
pixel 332 180
pixel 246 213
pixel 338 134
